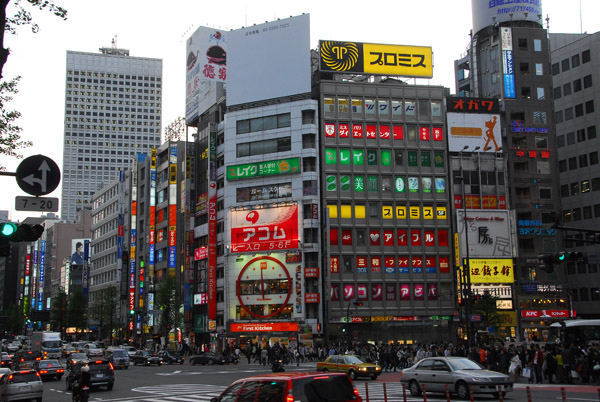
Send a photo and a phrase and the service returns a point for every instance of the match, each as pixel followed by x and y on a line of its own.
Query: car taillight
pixel 44 372
pixel 289 397
pixel 355 390
pixel 111 366
pixel 60 371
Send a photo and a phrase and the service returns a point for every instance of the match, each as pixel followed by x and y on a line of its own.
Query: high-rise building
pixel 508 59
pixel 113 106
pixel 575 60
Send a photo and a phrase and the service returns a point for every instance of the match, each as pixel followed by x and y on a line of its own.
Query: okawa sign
pixel 265 229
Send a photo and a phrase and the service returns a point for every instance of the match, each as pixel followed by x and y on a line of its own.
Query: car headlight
pixel 363 369
pixel 377 368
pixel 481 379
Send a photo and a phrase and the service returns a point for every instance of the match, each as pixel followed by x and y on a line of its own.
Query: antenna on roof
pixel 114 42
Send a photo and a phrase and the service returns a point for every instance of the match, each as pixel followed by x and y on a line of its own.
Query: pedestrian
pixel 263 356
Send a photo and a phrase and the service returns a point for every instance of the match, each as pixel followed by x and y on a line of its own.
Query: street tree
pixel 103 312
pixel 22 16
pixel 77 310
pixel 14 319
pixel 486 305
pixel 169 298
pixel 58 312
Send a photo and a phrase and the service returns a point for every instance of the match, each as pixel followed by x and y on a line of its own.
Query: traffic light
pixel 358 303
pixel 344 329
pixel 7 230
pixel 10 232
pixel 547 262
pixel 131 312
pixel 564 256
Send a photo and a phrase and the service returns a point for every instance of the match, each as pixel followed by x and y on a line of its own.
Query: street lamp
pixel 356 303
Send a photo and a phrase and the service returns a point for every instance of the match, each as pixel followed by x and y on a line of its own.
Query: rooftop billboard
pixel 490 12
pixel 262 58
pixel 372 58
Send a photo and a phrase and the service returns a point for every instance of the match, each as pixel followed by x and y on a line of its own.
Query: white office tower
pixel 113 108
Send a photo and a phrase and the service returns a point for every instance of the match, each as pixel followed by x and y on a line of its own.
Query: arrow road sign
pixel 38 175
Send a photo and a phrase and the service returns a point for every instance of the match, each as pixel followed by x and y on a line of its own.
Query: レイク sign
pixel 267 168
pixel 265 229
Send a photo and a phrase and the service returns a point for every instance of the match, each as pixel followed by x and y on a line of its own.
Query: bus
pixel 577 332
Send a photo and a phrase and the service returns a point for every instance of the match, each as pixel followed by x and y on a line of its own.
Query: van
pixel 118 357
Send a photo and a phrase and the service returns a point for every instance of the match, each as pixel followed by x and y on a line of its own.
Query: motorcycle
pixel 277 366
pixel 81 395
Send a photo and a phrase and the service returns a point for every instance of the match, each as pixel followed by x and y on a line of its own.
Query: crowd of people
pixel 533 362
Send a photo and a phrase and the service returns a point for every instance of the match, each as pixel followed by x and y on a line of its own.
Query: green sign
pixel 373 186
pixel 345 183
pixel 199 326
pixel 344 156
pixel 425 158
pixel 359 183
pixel 439 159
pixel 330 156
pixel 267 168
pixel 413 184
pixel 359 156
pixel 371 157
pixel 331 183
pixel 412 158
pixel 426 181
pixel 386 157
pixel 400 185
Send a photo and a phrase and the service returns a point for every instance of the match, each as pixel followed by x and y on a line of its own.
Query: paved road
pixel 185 383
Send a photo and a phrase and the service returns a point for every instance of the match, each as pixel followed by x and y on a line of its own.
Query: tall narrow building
pixel 113 106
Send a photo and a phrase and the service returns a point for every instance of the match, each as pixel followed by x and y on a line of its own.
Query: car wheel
pixel 414 388
pixel 193 362
pixel 497 394
pixel 110 386
pixel 170 362
pixel 352 375
pixel 462 389
pixel 373 376
pixel 211 362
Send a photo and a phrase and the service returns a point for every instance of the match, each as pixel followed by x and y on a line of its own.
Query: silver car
pixel 459 374
pixel 21 384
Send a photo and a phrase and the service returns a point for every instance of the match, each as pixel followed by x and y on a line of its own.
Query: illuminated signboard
pixel 545 313
pixel 371 58
pixel 265 327
pixel 491 270
pixel 266 168
pixel 507 63
pixel 265 229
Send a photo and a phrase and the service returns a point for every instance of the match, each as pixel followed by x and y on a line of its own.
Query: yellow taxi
pixel 349 364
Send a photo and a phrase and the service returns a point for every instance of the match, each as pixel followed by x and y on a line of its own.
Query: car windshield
pixel 464 364
pixel 323 389
pixel 352 360
pixel 52 344
pixel 49 363
pixel 99 367
pixel 119 353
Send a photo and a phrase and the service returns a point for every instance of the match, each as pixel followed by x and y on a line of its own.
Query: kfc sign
pixel 546 313
pixel 200 253
pixel 265 229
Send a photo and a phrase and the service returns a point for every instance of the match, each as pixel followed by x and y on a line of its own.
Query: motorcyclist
pixel 82 380
pixel 276 357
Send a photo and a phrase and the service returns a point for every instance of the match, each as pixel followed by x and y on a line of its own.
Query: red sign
pixel 398 132
pixel 312 298
pixel 265 327
pixel 545 313
pixel 200 253
pixel 344 130
pixel 311 272
pixel 371 131
pixel 384 132
pixel 172 236
pixel 265 229
pixel 315 211
pixel 357 131
pixel 334 265
pixel 329 130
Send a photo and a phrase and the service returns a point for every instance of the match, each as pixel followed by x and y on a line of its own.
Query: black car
pixel 170 357
pixel 146 358
pixel 26 358
pixel 6 361
pixel 49 369
pixel 209 358
pixel 102 374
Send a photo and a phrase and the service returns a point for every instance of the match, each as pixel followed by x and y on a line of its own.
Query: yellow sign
pixel 415 212
pixel 427 212
pixel 374 58
pixel 508 318
pixel 491 270
pixel 456 249
pixel 441 212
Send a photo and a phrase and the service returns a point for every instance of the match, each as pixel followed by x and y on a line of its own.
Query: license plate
pixel 99 375
pixel 25 388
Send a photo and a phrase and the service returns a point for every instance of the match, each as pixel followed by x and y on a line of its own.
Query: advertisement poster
pixel 265 229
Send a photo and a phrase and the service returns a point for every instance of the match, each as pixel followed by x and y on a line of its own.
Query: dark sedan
pixel 171 357
pixel 146 358
pixel 6 361
pixel 49 369
pixel 209 358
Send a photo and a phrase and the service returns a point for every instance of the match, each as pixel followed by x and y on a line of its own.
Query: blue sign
pixel 172 256
pixel 151 254
pixel 390 270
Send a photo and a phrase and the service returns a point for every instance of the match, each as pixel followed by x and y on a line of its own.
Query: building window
pixel 579 110
pixel 562 165
pixel 581 135
pixel 524 68
pixel 564 190
pixel 557 92
pixel 583 162
pixel 558 117
pixel 577 85
pixel 537 45
pixel 594 158
pixel 591 132
pixel 585 56
pixel 555 69
pixel 560 141
pixel 575 61
pixel 587 212
pixel 569 113
pixel 570 138
pixel 589 107
pixel 539 69
pixel 565 65
pixel 525 93
pixel 572 163
pixel 541 142
pixel 567 89
pixel 585 186
pixel 545 193
pixel 540 94
pixel 539 118
pixel 522 43
pixel 584 295
pixel 587 81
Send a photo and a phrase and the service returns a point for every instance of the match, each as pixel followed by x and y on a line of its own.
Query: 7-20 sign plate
pixel 45 204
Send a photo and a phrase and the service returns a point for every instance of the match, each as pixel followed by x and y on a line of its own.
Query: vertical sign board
pixel 132 239
pixel 212 225
pixel 507 63
pixel 42 272
pixel 152 234
pixel 172 208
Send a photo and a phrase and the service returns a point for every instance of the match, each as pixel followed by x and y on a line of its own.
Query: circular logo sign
pixel 339 56
pixel 264 287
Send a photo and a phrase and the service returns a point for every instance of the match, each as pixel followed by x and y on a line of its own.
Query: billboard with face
pixel 265 229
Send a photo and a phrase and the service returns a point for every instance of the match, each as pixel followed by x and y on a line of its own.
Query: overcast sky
pixel 158 29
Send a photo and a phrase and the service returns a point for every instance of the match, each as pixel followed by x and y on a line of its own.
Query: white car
pixel 13 347
pixel 93 353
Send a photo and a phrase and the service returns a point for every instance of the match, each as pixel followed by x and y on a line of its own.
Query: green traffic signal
pixel 8 229
pixel 562 256
pixel 131 312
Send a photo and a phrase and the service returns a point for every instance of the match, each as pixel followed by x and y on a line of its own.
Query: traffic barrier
pixel 424 392
pixel 404 393
pixel 447 393
pixel 528 394
pixel 500 394
pixel 471 393
pixel 563 394
pixel 367 390
pixel 385 392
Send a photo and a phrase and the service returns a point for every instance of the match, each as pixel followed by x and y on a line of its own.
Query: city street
pixel 181 383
